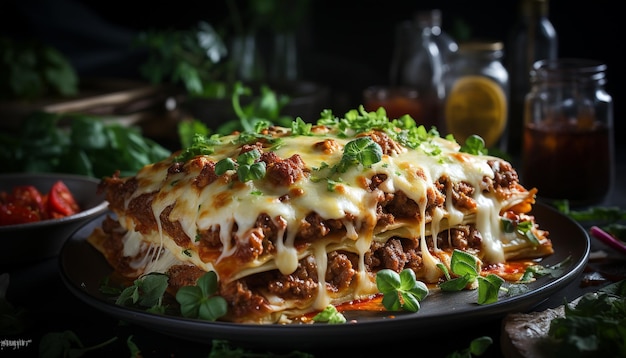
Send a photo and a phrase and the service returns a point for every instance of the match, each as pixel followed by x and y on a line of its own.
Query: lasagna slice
pixel 295 219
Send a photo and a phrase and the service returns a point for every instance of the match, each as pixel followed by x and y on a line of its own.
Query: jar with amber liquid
pixel 568 150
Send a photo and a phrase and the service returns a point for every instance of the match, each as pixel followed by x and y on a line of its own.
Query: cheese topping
pixel 229 209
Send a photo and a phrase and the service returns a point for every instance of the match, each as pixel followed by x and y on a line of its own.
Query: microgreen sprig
pixel 201 301
pixel 246 166
pixel 465 267
pixel 400 291
pixel 146 291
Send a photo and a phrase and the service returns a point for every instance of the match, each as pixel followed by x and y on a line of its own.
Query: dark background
pixel 345 45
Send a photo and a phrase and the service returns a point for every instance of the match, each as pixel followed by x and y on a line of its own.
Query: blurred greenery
pixel 32 70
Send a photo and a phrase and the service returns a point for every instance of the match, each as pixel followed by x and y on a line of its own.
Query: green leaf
pixel 474 144
pixel 387 280
pixel 201 301
pixel 88 133
pixel 224 165
pixel 457 283
pixel 146 291
pixel 463 263
pixel 488 288
pixel 190 299
pixel 400 291
pixel 360 151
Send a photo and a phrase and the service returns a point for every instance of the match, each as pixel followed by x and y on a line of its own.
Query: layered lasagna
pixel 293 220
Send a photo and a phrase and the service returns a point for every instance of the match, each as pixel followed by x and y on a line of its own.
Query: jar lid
pixel 481 46
pixel 569 68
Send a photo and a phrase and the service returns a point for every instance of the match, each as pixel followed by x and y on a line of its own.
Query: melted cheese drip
pixel 224 206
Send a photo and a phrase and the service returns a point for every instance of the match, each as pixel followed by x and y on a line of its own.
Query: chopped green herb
pixel 300 127
pixel 246 167
pixel 330 315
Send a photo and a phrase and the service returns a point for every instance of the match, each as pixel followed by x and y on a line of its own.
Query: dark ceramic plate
pixel 29 242
pixel 82 269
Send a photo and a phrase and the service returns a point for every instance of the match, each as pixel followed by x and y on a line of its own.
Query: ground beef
pixel 283 172
pixel 183 275
pixel 141 207
pixel 386 143
pixel 340 271
pixel 401 206
pixel 301 284
pixel 314 227
pixel 327 146
pixel 243 302
pixel 207 175
pixel 504 174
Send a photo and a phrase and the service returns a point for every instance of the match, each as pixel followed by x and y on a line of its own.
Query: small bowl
pixel 35 241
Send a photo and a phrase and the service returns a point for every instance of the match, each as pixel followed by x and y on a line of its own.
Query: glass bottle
pixel 533 38
pixel 431 19
pixel 418 63
pixel 568 149
pixel 477 90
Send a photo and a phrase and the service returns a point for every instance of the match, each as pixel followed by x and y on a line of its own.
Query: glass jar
pixel 568 132
pixel 477 92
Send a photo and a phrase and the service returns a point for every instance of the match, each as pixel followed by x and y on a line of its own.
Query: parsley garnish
pixel 200 145
pixel 362 150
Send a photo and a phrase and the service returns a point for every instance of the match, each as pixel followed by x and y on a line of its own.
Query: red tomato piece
pixel 11 214
pixel 27 196
pixel 61 202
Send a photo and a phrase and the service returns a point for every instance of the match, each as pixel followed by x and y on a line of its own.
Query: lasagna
pixel 293 220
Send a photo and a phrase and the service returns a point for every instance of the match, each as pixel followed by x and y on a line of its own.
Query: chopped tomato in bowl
pixel 39 211
pixel 25 204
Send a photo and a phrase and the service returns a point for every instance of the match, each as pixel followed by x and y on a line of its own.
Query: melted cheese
pixel 233 208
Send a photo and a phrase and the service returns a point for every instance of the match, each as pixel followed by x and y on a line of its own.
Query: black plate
pixel 82 269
